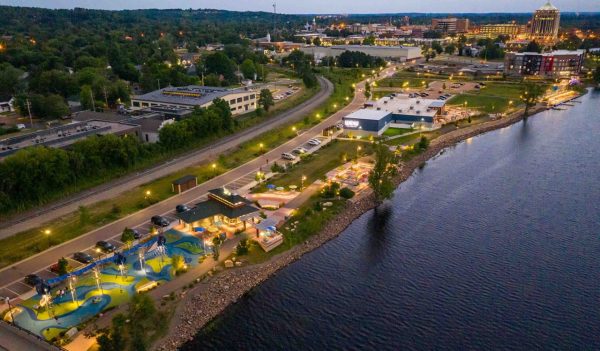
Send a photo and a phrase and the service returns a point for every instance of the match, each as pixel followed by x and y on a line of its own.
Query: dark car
pixel 105 246
pixel 33 279
pixel 182 208
pixel 83 257
pixel 136 234
pixel 160 221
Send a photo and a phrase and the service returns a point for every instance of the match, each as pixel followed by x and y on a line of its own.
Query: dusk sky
pixel 320 6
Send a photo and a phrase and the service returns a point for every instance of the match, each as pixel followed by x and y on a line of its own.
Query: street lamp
pixel 147 194
pixel 302 182
pixel 47 232
pixel 214 168
pixel 261 146
pixel 358 148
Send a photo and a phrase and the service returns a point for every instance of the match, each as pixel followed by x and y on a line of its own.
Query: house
pixel 7 104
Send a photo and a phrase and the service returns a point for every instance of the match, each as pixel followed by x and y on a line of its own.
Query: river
pixel 493 244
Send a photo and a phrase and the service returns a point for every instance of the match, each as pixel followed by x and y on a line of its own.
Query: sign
pixel 351 123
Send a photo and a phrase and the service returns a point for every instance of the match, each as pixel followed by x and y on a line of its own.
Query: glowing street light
pixel 261 145
pixel 302 182
pixel 358 148
pixel 47 232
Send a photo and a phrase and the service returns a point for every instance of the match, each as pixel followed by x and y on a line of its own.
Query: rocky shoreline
pixel 209 299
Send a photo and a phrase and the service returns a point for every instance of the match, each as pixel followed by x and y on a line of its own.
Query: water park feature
pixel 104 284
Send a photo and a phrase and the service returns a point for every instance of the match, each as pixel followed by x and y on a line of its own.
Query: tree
pixel 178 263
pixel 367 90
pixel 9 79
pixel 597 75
pixel 50 106
pixel 221 65
pixel 248 69
pixel 531 95
pixel 127 236
pixel 450 49
pixel 423 143
pixel 317 41
pixel 216 247
pixel 85 97
pixel 266 99
pixel 437 47
pixel 346 193
pixel 242 247
pixel 63 266
pixel 381 177
pixel 533 46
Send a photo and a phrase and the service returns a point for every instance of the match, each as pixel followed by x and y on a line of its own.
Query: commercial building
pixel 396 110
pixel 451 25
pixel 545 24
pixel 556 64
pixel 241 100
pixel 396 53
pixel 494 30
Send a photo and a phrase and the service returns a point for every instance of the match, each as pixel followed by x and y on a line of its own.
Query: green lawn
pixel 494 97
pixel 27 243
pixel 315 166
pixel 397 131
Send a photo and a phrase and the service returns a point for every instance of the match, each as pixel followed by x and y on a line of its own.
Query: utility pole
pixel 105 96
pixel 274 17
pixel 93 103
pixel 158 80
pixel 29 110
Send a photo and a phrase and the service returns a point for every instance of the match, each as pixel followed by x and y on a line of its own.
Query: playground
pixel 68 301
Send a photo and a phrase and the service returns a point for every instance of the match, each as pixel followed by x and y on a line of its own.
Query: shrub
pixel 242 248
pixel 346 193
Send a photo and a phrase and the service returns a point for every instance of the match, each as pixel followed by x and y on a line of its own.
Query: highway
pixel 11 277
pixel 44 214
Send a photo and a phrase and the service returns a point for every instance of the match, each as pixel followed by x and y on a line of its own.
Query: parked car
pixel 136 234
pixel 105 246
pixel 299 151
pixel 83 257
pixel 54 269
pixel 182 208
pixel 314 142
pixel 160 221
pixel 288 156
pixel 33 279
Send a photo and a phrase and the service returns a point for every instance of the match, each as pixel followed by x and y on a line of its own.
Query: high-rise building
pixel 451 25
pixel 545 24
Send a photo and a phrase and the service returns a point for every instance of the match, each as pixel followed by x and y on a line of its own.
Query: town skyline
pixel 317 7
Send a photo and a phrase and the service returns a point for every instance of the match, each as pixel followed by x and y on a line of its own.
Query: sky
pixel 324 6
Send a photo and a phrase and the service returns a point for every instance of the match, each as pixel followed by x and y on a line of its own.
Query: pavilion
pixel 223 210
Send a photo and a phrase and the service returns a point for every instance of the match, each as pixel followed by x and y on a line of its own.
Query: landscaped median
pixel 32 241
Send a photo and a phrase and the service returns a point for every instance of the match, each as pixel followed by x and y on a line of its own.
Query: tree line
pixel 35 175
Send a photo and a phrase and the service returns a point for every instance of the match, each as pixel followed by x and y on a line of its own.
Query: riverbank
pixel 210 298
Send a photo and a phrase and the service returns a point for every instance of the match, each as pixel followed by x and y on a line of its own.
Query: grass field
pixel 397 131
pixel 315 166
pixel 495 97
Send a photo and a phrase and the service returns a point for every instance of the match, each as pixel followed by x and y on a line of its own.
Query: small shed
pixel 184 183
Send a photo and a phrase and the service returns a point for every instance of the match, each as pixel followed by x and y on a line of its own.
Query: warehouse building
pixel 241 100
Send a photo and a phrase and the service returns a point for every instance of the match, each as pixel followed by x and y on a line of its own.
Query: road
pixel 13 339
pixel 11 277
pixel 40 216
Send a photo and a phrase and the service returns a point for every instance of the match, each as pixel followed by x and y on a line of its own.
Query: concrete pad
pixel 19 288
pixel 4 292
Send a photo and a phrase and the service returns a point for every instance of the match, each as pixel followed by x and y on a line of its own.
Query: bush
pixel 346 193
pixel 242 248
pixel 331 190
pixel 277 168
pixel 423 143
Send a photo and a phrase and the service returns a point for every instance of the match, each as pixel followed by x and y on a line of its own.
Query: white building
pixel 396 53
pixel 7 104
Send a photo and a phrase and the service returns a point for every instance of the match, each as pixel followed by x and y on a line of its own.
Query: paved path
pixel 11 276
pixel 39 216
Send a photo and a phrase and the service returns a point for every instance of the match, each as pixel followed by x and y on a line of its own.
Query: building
pixel 555 64
pixel 6 104
pixel 397 53
pixel 545 24
pixel 396 110
pixel 223 211
pixel 511 30
pixel 450 25
pixel 241 100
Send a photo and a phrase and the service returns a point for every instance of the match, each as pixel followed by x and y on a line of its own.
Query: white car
pixel 288 156
pixel 314 142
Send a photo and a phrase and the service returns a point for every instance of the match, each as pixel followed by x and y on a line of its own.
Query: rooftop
pixel 368 114
pixel 403 104
pixel 193 95
pixel 548 7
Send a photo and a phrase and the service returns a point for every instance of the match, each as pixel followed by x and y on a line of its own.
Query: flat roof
pixel 368 114
pixel 405 105
pixel 192 95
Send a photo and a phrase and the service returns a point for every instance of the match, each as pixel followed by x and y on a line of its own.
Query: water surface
pixel 494 244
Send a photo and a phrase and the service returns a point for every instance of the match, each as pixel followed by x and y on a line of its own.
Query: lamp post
pixel 358 148
pixel 47 232
pixel 302 182
pixel 214 168
pixel 12 316
pixel 71 280
pixel 261 145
